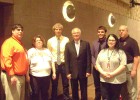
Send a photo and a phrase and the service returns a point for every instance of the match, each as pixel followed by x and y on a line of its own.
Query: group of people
pixel 115 62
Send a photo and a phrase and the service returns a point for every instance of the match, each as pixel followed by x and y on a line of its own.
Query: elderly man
pixel 78 64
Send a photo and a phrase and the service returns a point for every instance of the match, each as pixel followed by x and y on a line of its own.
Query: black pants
pixel 60 69
pixel 110 91
pixel 124 92
pixel 83 88
pixel 40 87
pixel 96 78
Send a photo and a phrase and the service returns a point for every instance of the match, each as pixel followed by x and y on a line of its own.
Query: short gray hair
pixel 124 26
pixel 79 30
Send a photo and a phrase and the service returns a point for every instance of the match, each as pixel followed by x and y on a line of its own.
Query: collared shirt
pixel 14 57
pixel 77 46
pixel 95 49
pixel 130 47
pixel 52 46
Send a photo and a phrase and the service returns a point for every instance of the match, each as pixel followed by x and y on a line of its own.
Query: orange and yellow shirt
pixel 14 57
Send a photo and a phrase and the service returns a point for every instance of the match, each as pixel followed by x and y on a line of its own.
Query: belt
pixel 128 62
pixel 3 71
pixel 14 74
pixel 128 72
pixel 62 63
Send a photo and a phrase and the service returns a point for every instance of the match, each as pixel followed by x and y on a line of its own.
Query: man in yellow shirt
pixel 14 65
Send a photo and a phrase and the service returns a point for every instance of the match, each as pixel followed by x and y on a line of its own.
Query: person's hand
pixel 111 74
pixel 138 95
pixel 27 78
pixel 133 73
pixel 13 80
pixel 54 76
pixel 106 75
pixel 88 74
pixel 69 76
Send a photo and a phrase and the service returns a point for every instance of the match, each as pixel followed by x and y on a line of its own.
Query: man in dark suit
pixel 78 64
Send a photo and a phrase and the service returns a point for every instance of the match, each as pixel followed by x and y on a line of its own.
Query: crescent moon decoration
pixel 68 11
pixel 111 20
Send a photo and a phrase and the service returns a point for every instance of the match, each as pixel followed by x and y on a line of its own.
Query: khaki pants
pixel 12 92
pixel 131 83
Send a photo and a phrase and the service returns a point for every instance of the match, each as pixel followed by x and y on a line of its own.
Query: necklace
pixel 108 64
pixel 40 53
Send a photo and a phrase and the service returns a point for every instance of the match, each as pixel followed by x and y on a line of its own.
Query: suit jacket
pixel 78 65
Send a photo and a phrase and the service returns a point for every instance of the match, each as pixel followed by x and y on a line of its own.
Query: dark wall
pixel 38 18
pixel 6 20
pixel 1 20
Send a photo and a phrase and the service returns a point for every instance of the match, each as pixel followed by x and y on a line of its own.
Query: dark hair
pixel 41 38
pixel 117 41
pixel 102 28
pixel 15 26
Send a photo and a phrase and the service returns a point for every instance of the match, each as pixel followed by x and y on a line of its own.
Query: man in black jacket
pixel 78 64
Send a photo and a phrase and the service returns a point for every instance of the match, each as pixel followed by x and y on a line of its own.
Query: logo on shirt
pixel 124 43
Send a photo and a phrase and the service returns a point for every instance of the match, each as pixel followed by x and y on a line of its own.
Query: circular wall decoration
pixel 68 11
pixel 111 20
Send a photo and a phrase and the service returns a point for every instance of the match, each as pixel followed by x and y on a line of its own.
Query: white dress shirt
pixel 77 46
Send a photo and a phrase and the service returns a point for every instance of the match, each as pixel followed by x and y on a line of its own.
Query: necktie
pixel 58 52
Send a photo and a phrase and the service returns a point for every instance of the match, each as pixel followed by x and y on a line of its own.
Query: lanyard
pixel 108 64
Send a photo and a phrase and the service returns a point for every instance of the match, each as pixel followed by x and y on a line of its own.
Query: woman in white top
pixel 41 64
pixel 111 63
